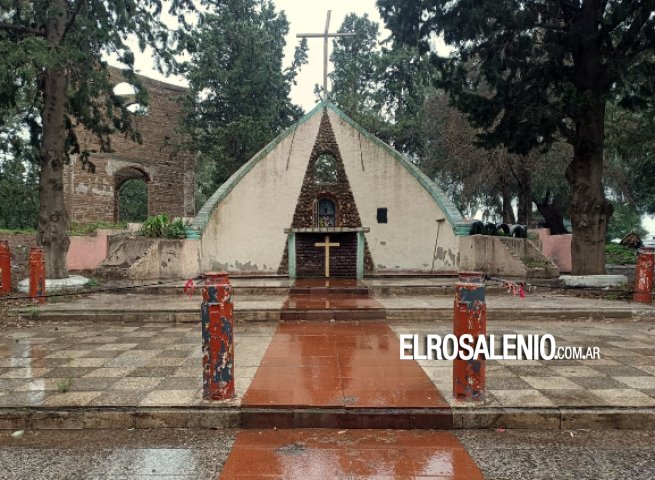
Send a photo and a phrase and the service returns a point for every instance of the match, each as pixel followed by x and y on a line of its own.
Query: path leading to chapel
pixel 352 454
pixel 339 365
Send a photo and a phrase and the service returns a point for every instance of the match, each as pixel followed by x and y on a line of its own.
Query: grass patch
pixel 78 230
pixel 17 231
pixel 534 262
pixel 616 254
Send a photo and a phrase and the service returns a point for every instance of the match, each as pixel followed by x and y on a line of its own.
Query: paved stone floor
pixel 108 365
pixel 624 376
pixel 159 364
pixel 200 454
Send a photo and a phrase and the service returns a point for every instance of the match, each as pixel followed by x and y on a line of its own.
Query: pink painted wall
pixel 86 253
pixel 556 247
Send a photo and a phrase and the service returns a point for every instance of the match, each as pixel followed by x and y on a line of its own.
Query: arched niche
pixel 131 195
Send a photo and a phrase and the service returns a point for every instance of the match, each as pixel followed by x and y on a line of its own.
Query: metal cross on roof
pixel 325 35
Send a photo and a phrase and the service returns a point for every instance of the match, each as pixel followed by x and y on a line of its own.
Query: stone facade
pixel 159 160
pixel 346 214
pixel 338 191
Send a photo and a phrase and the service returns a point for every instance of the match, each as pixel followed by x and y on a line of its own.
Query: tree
pixel 529 72
pixel 624 221
pixel 630 156
pixel 53 81
pixel 356 79
pixel 383 86
pixel 239 93
pixel 18 191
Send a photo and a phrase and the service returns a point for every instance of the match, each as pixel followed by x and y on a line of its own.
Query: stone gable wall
pixel 159 159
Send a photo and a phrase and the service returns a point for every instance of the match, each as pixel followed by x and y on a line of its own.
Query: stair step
pixel 400 418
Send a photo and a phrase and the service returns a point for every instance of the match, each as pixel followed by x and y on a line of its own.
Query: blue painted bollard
pixel 217 314
pixel 470 318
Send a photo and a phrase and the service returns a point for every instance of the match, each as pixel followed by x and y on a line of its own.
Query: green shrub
pixel 619 255
pixel 160 226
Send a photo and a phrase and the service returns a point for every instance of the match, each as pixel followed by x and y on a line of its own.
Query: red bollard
pixel 470 318
pixel 217 338
pixel 644 275
pixel 5 268
pixel 37 275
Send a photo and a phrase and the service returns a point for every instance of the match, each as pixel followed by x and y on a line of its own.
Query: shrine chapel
pixel 328 199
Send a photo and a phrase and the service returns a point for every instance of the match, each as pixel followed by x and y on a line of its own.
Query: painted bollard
pixel 470 318
pixel 37 275
pixel 217 315
pixel 644 275
pixel 5 268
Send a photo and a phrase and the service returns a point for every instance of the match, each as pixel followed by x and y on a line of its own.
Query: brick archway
pixel 120 178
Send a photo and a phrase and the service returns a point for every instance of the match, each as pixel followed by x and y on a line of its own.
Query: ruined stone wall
pixel 159 160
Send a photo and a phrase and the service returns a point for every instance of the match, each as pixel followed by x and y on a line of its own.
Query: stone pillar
pixel 5 268
pixel 470 318
pixel 217 315
pixel 37 275
pixel 644 275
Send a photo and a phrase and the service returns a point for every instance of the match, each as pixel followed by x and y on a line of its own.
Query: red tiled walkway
pixel 352 454
pixel 339 365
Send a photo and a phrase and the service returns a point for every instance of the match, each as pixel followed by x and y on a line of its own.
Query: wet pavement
pixel 201 454
pixel 159 365
pixel 339 365
pixel 349 454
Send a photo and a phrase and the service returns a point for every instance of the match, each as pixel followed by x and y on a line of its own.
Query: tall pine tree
pixel 52 78
pixel 529 72
pixel 239 87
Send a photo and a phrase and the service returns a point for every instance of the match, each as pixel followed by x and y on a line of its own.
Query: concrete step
pixel 401 418
pixel 218 415
pixel 333 314
pixel 360 291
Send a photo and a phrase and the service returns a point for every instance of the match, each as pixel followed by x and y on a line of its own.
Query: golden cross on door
pixel 327 246
pixel 325 35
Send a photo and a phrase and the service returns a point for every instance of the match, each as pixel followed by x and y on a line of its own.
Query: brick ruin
pixel 168 170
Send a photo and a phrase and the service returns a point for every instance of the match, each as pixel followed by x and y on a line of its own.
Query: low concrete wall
pixel 556 247
pixel 88 252
pixel 504 256
pixel 84 253
pixel 143 258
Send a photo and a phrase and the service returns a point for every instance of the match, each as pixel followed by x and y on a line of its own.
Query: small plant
pixel 64 385
pixel 160 226
pixel 93 283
